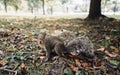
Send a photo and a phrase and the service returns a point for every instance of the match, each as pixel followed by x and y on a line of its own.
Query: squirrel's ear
pixel 44 34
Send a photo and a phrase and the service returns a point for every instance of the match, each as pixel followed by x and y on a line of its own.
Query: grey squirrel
pixel 81 44
pixel 51 43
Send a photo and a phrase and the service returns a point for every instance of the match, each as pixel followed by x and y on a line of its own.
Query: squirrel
pixel 51 43
pixel 81 44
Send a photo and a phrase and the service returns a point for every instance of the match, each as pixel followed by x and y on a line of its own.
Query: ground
pixel 21 55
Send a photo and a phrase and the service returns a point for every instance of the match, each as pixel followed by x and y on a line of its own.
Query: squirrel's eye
pixel 40 42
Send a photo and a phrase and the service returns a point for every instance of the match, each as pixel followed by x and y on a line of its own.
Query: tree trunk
pixel 32 10
pixel 114 10
pixel 43 5
pixel 5 6
pixel 95 9
pixel 67 9
pixel 51 10
pixel 16 8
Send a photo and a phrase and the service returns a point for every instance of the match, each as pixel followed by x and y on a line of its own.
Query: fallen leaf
pixel 9 50
pixel 31 39
pixel 85 64
pixel 115 62
pixel 73 68
pixel 77 61
pixel 107 37
pixel 116 50
pixel 42 57
pixel 1 68
pixel 111 55
pixel 22 65
pixel 2 54
pixel 47 69
pixel 110 73
pixel 3 62
pixel 41 53
pixel 73 53
pixel 37 64
pixel 101 49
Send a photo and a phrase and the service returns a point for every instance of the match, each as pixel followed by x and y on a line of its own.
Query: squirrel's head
pixel 41 40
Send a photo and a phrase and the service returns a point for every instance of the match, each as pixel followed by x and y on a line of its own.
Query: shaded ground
pixel 21 55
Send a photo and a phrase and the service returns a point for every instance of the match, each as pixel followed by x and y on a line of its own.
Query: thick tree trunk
pixel 95 9
pixel 95 12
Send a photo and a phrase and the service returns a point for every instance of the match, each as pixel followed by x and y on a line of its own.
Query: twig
pixel 30 52
pixel 10 71
pixel 68 61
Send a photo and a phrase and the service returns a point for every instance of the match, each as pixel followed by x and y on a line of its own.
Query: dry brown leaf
pixel 77 61
pixel 3 26
pixel 101 49
pixel 42 57
pixel 29 32
pixel 73 68
pixel 73 53
pixel 52 30
pixel 3 62
pixel 31 39
pixel 1 68
pixel 116 50
pixel 22 65
pixel 85 64
pixel 41 53
pixel 111 55
pixel 37 64
pixel 47 69
pixel 8 50
pixel 55 32
pixel 2 54
pixel 107 37
pixel 110 73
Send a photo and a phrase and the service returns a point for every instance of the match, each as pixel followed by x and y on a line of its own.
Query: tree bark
pixel 95 9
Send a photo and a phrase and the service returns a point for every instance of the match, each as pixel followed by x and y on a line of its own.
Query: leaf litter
pixel 21 55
